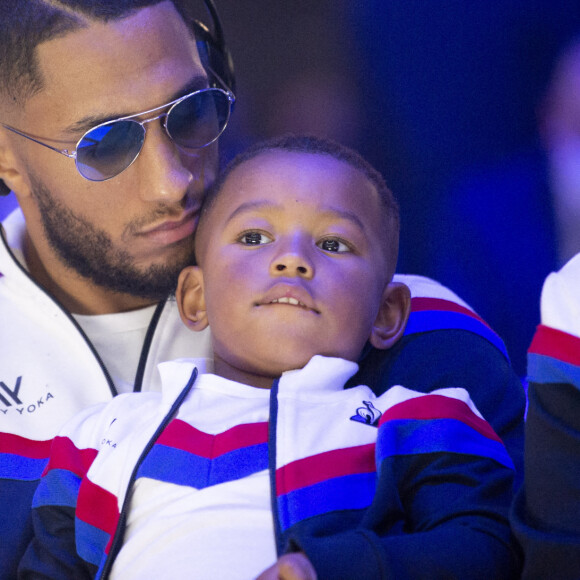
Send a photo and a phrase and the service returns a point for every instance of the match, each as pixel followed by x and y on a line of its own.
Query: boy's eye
pixel 255 239
pixel 333 245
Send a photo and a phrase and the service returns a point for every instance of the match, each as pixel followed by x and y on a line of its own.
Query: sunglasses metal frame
pixel 72 154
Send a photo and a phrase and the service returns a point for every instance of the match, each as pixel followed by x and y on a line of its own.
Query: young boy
pixel 268 465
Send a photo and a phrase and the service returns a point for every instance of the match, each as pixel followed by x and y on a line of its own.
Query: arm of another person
pixel 441 507
pixel 545 515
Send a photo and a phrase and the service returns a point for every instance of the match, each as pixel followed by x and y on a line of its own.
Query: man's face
pixel 133 233
pixel 293 263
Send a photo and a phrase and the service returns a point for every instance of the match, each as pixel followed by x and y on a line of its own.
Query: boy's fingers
pixel 294 566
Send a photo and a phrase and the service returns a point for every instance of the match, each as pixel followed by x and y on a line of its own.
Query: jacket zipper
pixel 138 383
pixel 118 538
pixel 104 369
pixel 272 429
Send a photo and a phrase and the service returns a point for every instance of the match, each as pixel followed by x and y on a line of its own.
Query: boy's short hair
pixel 322 146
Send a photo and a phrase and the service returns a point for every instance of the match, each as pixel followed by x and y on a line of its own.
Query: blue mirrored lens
pixel 199 119
pixel 107 150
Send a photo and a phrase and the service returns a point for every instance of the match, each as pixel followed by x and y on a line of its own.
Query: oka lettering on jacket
pixel 13 401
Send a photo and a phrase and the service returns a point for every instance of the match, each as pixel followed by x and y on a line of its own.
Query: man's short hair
pixel 24 24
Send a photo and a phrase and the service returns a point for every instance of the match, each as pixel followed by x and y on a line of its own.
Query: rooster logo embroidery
pixel 369 414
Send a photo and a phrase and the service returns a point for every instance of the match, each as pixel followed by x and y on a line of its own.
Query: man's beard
pixel 89 251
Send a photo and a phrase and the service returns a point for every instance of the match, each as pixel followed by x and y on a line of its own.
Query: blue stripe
pixel 91 542
pixel 410 437
pixel 340 493
pixel 183 468
pixel 21 468
pixel 58 487
pixel 546 369
pixel 427 320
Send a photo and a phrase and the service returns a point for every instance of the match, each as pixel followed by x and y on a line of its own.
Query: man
pixel 108 252
pixel 107 227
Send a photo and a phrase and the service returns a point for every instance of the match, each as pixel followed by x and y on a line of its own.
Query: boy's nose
pixel 292 264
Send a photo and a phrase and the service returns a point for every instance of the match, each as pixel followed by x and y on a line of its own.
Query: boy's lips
pixel 290 295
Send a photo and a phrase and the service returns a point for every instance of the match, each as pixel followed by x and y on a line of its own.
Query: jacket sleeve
pixel 17 487
pixel 545 514
pixel 447 345
pixel 52 553
pixel 441 505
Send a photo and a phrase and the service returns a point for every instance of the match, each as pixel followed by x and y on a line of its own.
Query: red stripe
pixel 439 407
pixel 324 466
pixel 181 435
pixel 24 447
pixel 65 455
pixel 97 507
pixel 420 304
pixel 556 344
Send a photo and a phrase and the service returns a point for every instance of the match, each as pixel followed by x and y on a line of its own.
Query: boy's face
pixel 293 263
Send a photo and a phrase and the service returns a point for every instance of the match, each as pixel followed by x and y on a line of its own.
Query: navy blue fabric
pixel 545 515
pixel 454 358
pixel 419 539
pixel 15 523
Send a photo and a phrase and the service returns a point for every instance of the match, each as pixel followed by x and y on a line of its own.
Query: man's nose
pixel 163 175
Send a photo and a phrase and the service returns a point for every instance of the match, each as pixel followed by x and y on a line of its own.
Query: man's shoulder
pixel 446 345
pixel 434 307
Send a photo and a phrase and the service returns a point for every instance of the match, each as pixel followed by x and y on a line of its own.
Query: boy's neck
pixel 227 371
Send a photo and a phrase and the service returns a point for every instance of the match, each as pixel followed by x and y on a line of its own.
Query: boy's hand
pixel 295 566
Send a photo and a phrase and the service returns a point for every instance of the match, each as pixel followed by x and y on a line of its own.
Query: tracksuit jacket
pixel 405 485
pixel 49 371
pixel 546 514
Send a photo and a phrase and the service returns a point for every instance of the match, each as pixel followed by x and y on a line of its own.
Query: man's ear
pixel 392 316
pixel 11 179
pixel 190 298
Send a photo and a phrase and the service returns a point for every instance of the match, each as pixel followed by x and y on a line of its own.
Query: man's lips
pixel 172 230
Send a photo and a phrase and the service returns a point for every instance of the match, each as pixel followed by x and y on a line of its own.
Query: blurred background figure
pixel 509 223
pixel 296 71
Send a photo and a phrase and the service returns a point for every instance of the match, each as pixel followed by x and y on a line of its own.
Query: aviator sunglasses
pixel 192 122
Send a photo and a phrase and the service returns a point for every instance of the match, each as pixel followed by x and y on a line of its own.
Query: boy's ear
pixel 392 316
pixel 190 298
